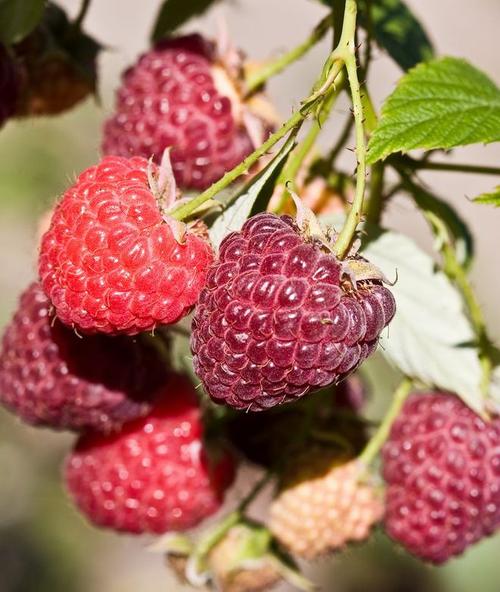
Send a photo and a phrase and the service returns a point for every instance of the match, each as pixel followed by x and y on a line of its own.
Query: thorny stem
pixel 347 52
pixel 183 211
pixel 298 156
pixel 258 78
pixel 344 54
pixel 373 209
pixel 77 23
pixel 380 436
pixel 458 275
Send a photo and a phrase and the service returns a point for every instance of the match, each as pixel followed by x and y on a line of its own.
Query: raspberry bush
pixel 211 292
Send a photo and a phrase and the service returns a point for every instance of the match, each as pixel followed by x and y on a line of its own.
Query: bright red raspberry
pixel 442 468
pixel 110 262
pixel 9 85
pixel 178 95
pixel 52 377
pixel 278 318
pixel 155 475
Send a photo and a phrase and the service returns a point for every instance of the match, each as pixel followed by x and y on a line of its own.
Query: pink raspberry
pixel 156 475
pixel 278 318
pixel 178 95
pixel 110 261
pixel 52 377
pixel 442 467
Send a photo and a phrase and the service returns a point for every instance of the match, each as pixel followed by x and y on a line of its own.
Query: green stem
pixel 347 53
pixel 458 275
pixel 258 78
pixel 208 542
pixel 329 77
pixel 375 203
pixel 414 164
pixel 82 13
pixel 298 156
pixel 216 534
pixel 380 436
pixel 183 211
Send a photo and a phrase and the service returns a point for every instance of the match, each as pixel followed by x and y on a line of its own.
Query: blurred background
pixel 44 544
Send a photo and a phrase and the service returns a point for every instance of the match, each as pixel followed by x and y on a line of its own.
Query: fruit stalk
pixel 458 275
pixel 380 436
pixel 82 13
pixel 303 149
pixel 329 78
pixel 258 78
pixel 347 53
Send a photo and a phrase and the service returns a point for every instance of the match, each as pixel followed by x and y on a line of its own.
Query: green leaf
pixel 18 18
pixel 429 338
pixel 234 216
pixel 462 237
pixel 174 13
pixel 396 29
pixel 439 104
pixel 492 198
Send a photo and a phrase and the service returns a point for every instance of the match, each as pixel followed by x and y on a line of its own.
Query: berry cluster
pixel 284 312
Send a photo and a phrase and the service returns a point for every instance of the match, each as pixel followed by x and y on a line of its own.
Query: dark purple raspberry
pixel 50 376
pixel 442 467
pixel 9 85
pixel 171 97
pixel 278 318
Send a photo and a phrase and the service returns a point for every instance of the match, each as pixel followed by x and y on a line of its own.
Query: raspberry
pixel 49 376
pixel 323 506
pixel 277 318
pixel 9 85
pixel 110 262
pixel 442 467
pixel 177 95
pixel 155 475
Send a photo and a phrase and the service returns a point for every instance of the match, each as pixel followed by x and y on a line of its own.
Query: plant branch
pixel 82 13
pixel 300 153
pixel 329 77
pixel 415 165
pixel 376 199
pixel 380 436
pixel 184 210
pixel 458 275
pixel 258 78
pixel 347 52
